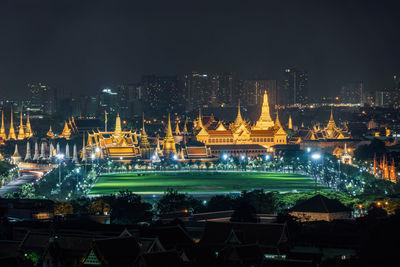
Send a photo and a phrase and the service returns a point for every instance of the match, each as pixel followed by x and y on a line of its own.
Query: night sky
pixel 81 46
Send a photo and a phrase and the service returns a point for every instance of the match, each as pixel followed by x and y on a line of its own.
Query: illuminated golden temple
pixel 117 145
pixel 264 132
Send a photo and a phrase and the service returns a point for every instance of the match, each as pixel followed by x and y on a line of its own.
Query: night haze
pixel 83 46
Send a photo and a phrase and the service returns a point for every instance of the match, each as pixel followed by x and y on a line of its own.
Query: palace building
pixel 116 145
pixel 265 132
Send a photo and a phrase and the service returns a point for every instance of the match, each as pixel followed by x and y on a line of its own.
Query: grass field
pixel 201 182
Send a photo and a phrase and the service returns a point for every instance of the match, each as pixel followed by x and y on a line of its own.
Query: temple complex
pixel 117 145
pixel 264 132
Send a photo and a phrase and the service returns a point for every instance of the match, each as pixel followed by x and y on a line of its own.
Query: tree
pixel 175 201
pixel 367 152
pixel 28 191
pixel 220 202
pixel 127 208
pixel 244 212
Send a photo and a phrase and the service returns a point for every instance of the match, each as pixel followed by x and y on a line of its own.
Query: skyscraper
pixel 208 89
pixel 42 99
pixel 352 93
pixel 251 92
pixel 294 87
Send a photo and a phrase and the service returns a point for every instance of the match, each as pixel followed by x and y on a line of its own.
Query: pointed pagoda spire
pixel 16 157
pixel 67 155
pixel 36 155
pixel 50 133
pixel 118 129
pixel 277 124
pixel 28 131
pixel 74 154
pixel 11 133
pixel 185 130
pixel 42 152
pixel 169 128
pixel 83 153
pixel 169 142
pixel 66 133
pixel 28 152
pixel 21 132
pixel 144 142
pixel 199 122
pixel 302 124
pixel 265 121
pixel 290 126
pixel 2 129
pixel 51 151
pixel 177 130
pixel 239 118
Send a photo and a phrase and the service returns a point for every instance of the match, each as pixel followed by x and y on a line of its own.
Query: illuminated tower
pixel 290 126
pixel 66 133
pixel 16 157
pixel 264 122
pixel 84 154
pixel 74 154
pixel 169 143
pixel 2 130
pixel 36 155
pixel 28 130
pixel 50 133
pixel 144 143
pixel 67 155
pixel 11 133
pixel 42 152
pixel 28 152
pixel 21 132
pixel 177 130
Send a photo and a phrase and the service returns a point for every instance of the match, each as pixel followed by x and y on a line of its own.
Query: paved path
pixel 16 184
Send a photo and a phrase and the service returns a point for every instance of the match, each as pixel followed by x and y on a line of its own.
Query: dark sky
pixel 81 46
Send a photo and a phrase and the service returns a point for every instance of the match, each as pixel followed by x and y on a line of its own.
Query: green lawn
pixel 201 182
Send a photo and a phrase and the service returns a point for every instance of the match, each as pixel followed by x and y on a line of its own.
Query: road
pixel 16 184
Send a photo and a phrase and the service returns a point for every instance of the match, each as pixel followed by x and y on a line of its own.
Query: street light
pixel 315 157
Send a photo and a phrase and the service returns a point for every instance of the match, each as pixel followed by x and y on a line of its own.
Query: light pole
pixel 315 157
pixel 60 157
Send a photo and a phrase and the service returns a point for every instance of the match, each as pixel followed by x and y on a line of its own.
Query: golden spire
pixel 11 133
pixel 185 130
pixel 265 121
pixel 118 129
pixel 277 122
pixel 290 126
pixel 199 121
pixel 144 143
pixel 2 129
pixel 239 119
pixel 177 130
pixel 169 143
pixel 66 133
pixel 28 131
pixel 21 133
pixel 50 133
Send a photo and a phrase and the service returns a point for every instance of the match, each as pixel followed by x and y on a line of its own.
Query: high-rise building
pixel 352 93
pixel 294 87
pixel 161 93
pixel 252 91
pixel 42 99
pixel 208 89
pixel 388 98
pixel 108 101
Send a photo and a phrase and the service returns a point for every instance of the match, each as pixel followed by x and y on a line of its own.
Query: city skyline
pixel 86 46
